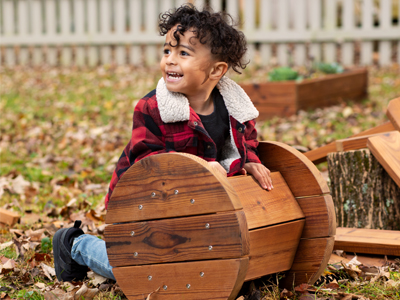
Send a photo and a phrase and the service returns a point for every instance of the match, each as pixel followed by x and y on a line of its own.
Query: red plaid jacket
pixel 152 135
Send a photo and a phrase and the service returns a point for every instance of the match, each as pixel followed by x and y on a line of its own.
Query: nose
pixel 171 59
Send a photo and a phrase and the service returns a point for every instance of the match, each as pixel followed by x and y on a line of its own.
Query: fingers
pixel 261 173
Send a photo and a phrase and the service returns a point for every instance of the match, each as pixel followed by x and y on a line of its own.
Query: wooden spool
pixel 181 230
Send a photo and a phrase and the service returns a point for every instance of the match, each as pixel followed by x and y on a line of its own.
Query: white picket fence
pixel 92 32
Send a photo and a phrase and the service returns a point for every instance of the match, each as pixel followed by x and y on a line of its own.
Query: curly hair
pixel 226 43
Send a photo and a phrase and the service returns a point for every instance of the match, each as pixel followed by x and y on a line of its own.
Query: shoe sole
pixel 56 249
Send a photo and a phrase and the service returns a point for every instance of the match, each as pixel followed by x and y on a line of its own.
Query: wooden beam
pixel 198 280
pixel 319 155
pixel 386 149
pixel 9 217
pixel 355 143
pixel 393 112
pixel 178 239
pixel 370 241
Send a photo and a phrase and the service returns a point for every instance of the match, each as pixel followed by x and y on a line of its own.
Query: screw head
pixel 176 192
pixel 210 247
pixel 207 226
pixel 140 206
pixel 132 233
pixel 201 274
pixel 135 254
pixel 149 277
pixel 153 194
pixel 188 286
pixel 192 201
pixel 165 287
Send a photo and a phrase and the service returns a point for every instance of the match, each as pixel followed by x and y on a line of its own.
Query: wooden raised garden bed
pixel 287 97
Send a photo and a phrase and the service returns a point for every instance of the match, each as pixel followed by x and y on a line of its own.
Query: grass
pixel 63 129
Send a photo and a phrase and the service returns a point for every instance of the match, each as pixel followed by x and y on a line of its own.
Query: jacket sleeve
pixel 251 142
pixel 148 138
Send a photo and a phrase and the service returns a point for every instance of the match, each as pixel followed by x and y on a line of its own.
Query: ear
pixel 218 70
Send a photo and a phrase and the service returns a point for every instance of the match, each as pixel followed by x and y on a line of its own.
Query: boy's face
pixel 186 67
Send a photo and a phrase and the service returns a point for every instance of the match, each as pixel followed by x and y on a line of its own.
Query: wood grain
pixel 272 249
pixel 393 112
pixel 320 216
pixel 311 259
pixel 180 239
pixel 175 179
pixel 300 174
pixel 370 241
pixel 222 279
pixel 386 149
pixel 262 207
pixel 355 143
pixel 9 217
pixel 319 155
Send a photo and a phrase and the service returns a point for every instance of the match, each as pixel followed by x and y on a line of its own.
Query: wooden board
pixel 319 155
pixel 9 217
pixel 370 241
pixel 272 249
pixel 386 149
pixel 311 259
pixel 202 280
pixel 393 112
pixel 170 185
pixel 320 216
pixel 180 239
pixel 262 207
pixel 300 174
pixel 355 143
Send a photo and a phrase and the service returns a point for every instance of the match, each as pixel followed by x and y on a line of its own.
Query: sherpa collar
pixel 174 107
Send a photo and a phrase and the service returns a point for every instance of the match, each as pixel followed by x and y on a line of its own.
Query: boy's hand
pixel 261 173
pixel 216 165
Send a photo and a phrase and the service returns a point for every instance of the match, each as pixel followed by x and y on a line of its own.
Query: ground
pixel 63 129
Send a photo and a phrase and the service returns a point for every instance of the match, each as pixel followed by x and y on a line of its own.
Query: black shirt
pixel 217 123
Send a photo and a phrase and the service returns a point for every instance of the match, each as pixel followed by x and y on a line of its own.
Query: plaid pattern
pixel 150 136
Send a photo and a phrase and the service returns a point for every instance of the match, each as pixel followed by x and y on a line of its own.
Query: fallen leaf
pixel 49 272
pixel 6 245
pixel 85 293
pixel 96 278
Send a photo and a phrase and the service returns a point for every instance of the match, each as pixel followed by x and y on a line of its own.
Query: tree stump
pixel 364 194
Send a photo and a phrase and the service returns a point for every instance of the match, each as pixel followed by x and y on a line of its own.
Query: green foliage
pixel 46 245
pixel 9 252
pixel 29 295
pixel 283 74
pixel 328 68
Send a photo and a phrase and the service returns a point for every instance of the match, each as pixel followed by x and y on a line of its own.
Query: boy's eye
pixel 184 53
pixel 167 51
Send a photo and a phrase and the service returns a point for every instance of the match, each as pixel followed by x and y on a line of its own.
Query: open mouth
pixel 174 75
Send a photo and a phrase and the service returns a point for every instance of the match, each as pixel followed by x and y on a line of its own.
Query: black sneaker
pixel 66 268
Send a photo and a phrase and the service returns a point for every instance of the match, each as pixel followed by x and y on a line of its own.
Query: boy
pixel 194 109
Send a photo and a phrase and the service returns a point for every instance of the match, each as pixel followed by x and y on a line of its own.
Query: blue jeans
pixel 88 250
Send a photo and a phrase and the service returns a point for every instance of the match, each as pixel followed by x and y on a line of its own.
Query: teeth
pixel 174 75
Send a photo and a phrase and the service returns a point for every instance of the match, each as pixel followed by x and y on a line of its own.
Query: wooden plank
pixel 262 207
pixel 272 249
pixel 331 89
pixel 386 149
pixel 223 235
pixel 393 111
pixel 311 259
pixel 202 280
pixel 170 185
pixel 319 155
pixel 320 216
pixel 370 241
pixel 300 174
pixel 9 217
pixel 355 143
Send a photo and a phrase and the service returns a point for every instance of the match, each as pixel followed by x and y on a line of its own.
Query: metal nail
pixel 149 277
pixel 201 274
pixel 132 233
pixel 140 206
pixel 176 192
pixel 207 225
pixel 188 286
pixel 135 254
pixel 192 201
pixel 153 194
pixel 210 247
pixel 165 287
